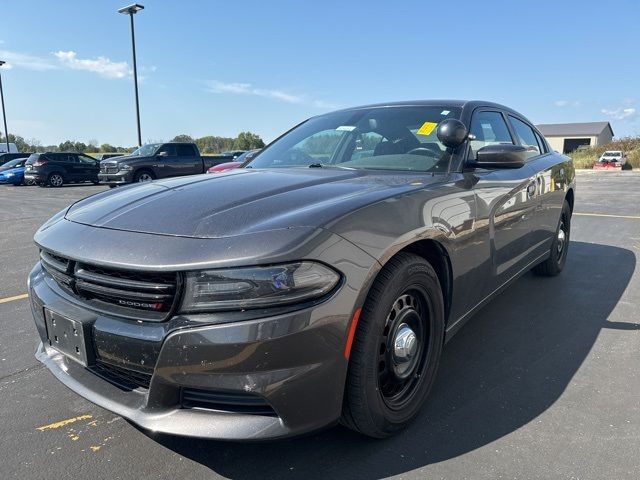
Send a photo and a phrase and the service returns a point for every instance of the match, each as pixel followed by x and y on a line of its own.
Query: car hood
pixel 242 201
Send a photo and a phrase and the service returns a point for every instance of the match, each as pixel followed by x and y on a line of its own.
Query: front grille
pixel 236 402
pixel 122 378
pixel 109 167
pixel 151 294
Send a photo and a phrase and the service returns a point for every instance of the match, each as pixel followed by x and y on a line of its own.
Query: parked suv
pixel 57 168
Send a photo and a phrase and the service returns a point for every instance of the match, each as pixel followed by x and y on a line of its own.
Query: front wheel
pixel 553 265
pixel 143 176
pixel 397 348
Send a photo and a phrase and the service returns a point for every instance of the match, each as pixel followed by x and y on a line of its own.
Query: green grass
pixel 629 145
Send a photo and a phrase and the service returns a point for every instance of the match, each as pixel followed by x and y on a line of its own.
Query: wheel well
pixel 143 169
pixel 569 198
pixel 437 256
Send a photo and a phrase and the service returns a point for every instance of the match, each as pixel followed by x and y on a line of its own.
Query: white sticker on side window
pixel 445 112
pixel 346 128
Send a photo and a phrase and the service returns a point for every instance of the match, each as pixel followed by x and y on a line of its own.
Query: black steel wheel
pixel 554 264
pixel 397 348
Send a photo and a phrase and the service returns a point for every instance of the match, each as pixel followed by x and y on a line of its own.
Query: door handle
pixel 531 189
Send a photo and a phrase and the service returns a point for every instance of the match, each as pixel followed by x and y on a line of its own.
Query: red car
pixel 239 162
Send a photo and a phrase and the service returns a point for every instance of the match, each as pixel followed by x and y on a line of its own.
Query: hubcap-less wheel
pixel 55 180
pixel 144 177
pixel 401 353
pixel 562 237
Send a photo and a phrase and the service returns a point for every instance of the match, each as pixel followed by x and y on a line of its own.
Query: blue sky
pixel 218 68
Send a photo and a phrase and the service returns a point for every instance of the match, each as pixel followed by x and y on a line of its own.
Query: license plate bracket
pixel 69 337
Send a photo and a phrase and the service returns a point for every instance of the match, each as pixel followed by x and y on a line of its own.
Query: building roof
pixel 590 129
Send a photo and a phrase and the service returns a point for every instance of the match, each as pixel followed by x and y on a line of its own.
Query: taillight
pixel 39 163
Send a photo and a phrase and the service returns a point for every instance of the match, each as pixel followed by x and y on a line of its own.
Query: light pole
pixel 4 112
pixel 131 10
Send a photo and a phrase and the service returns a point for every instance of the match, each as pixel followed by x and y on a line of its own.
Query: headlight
pixel 257 287
pixel 124 166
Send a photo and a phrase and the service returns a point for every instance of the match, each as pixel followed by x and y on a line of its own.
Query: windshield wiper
pixel 315 165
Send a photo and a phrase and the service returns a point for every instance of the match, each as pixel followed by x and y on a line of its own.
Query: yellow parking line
pixel 631 217
pixel 15 297
pixel 62 423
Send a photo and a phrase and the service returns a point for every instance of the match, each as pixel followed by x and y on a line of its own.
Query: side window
pixel 526 136
pixel 489 128
pixel 169 148
pixel 186 151
pixel 543 147
pixel 86 159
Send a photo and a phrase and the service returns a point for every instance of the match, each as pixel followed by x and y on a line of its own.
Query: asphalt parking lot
pixel 542 383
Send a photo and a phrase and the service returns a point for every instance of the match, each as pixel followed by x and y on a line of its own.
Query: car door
pixel 188 161
pixel 88 167
pixel 549 173
pixel 68 164
pixel 506 201
pixel 166 161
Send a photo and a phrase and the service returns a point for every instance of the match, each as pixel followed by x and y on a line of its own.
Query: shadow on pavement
pixel 508 365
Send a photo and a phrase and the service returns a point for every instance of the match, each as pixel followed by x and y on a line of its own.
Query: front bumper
pixel 293 361
pixel 119 178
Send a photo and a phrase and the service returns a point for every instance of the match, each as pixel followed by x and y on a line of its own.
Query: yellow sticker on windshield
pixel 426 128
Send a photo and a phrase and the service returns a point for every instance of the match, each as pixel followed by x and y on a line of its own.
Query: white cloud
pixel 567 103
pixel 101 65
pixel 31 62
pixel 620 113
pixel 237 88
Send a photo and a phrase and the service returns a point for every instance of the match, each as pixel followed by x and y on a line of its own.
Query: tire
pixel 382 395
pixel 112 186
pixel 55 180
pixel 29 183
pixel 553 265
pixel 143 176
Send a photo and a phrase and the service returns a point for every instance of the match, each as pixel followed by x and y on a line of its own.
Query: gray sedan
pixel 317 285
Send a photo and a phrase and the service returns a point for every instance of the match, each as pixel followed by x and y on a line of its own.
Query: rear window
pixel 33 158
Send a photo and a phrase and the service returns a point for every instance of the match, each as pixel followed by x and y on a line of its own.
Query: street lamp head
pixel 131 9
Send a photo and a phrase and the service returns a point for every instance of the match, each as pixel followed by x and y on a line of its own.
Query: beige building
pixel 566 137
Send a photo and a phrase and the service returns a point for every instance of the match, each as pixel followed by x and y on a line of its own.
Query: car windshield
pixel 18 162
pixel 146 150
pixel 378 138
pixel 612 154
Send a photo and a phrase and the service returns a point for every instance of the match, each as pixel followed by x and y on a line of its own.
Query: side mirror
pixel 451 132
pixel 162 154
pixel 501 156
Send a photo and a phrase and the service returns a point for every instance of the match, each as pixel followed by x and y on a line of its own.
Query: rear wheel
pixel 55 180
pixel 29 183
pixel 144 176
pixel 559 247
pixel 396 351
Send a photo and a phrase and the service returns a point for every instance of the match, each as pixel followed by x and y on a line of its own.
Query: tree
pixel 107 148
pixel 248 141
pixel 71 146
pixel 182 138
pixel 21 145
